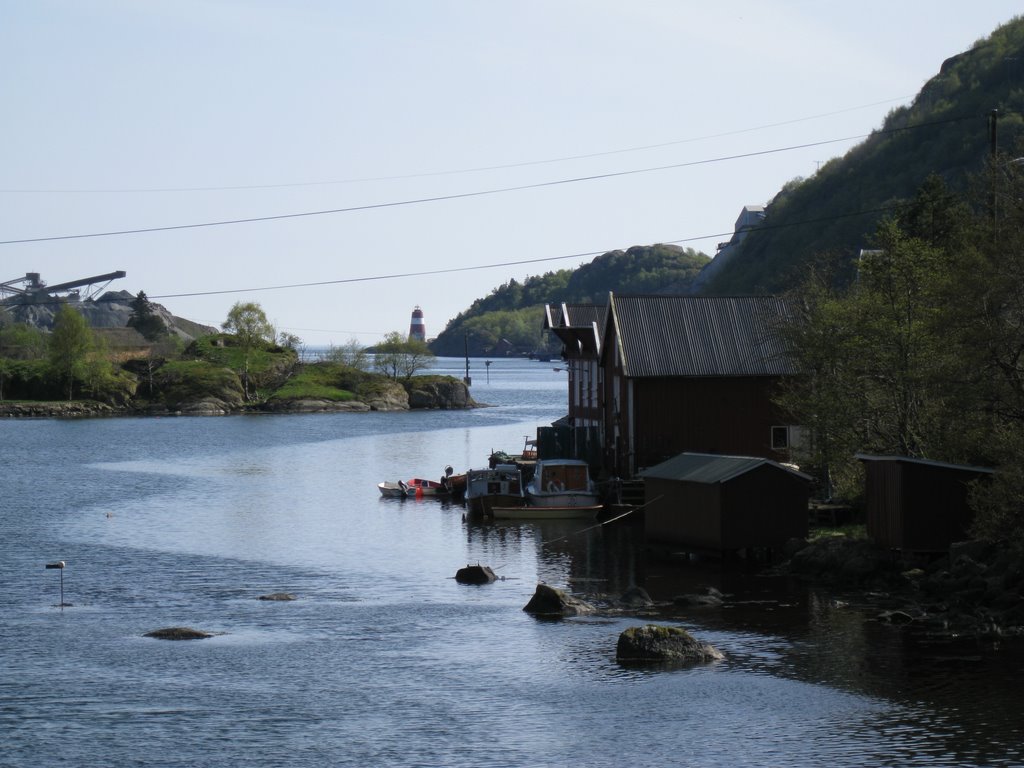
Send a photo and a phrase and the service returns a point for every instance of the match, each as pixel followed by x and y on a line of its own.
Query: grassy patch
pixel 222 349
pixel 321 381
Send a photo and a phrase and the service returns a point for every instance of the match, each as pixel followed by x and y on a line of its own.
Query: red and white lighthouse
pixel 417 330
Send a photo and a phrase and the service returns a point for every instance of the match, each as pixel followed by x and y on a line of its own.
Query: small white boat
pixel 561 483
pixel 501 485
pixel 391 490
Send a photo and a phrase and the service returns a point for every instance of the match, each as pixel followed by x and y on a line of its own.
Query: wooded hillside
pixel 510 319
pixel 945 131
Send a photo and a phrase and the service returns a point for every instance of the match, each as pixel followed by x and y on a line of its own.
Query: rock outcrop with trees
pixel 71 372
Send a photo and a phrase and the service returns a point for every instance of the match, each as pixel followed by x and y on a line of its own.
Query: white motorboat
pixel 563 483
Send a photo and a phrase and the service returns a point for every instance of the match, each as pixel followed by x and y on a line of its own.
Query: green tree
pixel 290 341
pixel 145 320
pixel 248 323
pixel 70 344
pixel 872 360
pixel 96 369
pixel 352 354
pixel 397 357
pixel 19 341
pixel 824 397
pixel 986 307
pixel 897 301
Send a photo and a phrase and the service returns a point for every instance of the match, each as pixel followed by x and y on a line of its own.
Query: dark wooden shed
pixel 725 503
pixel 917 505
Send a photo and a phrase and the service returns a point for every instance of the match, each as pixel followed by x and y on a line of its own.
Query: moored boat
pixel 449 485
pixel 423 487
pixel 561 483
pixel 390 490
pixel 501 485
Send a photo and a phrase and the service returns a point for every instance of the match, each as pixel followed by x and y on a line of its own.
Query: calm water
pixel 384 659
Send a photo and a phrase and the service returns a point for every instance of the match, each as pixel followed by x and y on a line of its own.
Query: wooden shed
pixel 917 505
pixel 724 503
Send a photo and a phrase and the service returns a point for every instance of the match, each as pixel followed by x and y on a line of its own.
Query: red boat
pixel 449 485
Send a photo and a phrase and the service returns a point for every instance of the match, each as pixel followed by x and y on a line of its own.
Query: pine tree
pixel 144 320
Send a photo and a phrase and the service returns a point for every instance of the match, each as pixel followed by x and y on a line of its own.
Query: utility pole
pixel 993 136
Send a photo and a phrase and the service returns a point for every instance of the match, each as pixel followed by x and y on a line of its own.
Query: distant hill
pixel 111 310
pixel 945 131
pixel 510 320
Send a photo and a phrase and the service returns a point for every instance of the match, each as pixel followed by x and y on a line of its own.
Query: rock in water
pixel 178 633
pixel 475 574
pixel 548 601
pixel 636 597
pixel 654 643
pixel 279 596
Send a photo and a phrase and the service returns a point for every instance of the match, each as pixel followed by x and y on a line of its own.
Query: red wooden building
pixel 918 505
pixel 658 375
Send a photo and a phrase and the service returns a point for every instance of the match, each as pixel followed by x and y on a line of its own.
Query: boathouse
pixel 918 505
pixel 725 503
pixel 579 434
pixel 691 374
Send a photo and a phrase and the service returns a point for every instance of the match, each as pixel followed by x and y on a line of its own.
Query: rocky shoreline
pixel 977 591
pixel 426 396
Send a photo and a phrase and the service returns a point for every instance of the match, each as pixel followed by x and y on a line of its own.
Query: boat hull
pixel 546 513
pixel 562 499
pixel 484 505
pixel 394 490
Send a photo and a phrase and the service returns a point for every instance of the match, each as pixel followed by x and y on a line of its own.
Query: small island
pixel 150 367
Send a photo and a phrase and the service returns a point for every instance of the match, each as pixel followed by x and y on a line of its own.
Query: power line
pixel 520 262
pixel 374 278
pixel 477 193
pixel 421 200
pixel 458 171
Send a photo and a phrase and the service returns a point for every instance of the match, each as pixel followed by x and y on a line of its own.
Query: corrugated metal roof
pixel 710 468
pixel 923 462
pixel 579 326
pixel 700 335
pixel 573 315
pixel 583 315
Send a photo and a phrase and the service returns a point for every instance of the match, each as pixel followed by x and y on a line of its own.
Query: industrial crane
pixel 32 290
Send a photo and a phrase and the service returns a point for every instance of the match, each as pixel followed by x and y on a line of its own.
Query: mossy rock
pixel 654 643
pixel 440 392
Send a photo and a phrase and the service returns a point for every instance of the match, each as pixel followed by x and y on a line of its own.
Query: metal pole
pixel 993 120
pixel 59 565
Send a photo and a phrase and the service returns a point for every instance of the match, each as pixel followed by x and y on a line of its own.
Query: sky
pixel 342 162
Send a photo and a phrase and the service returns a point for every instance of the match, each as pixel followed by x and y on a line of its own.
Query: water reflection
pixel 777 626
pixel 384 657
